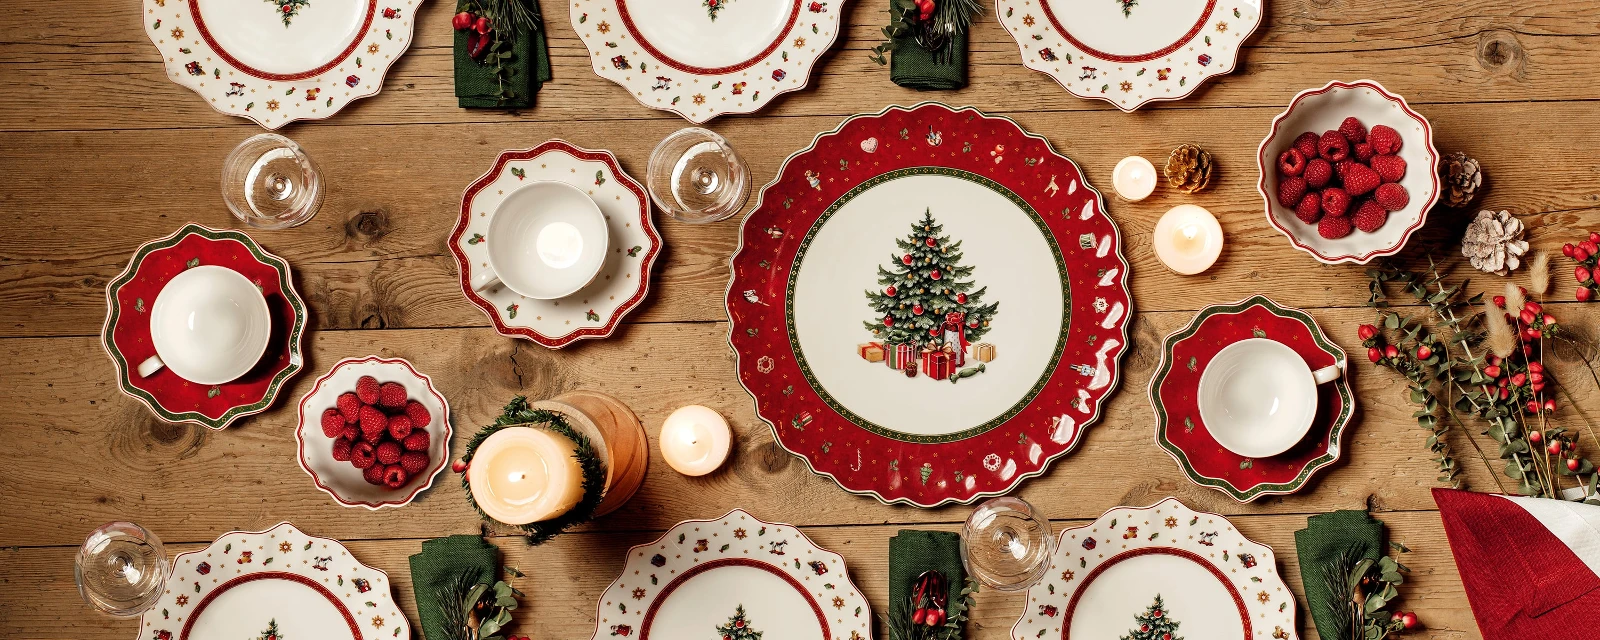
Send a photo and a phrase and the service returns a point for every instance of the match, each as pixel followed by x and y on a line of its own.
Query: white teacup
pixel 209 324
pixel 1258 397
pixel 547 240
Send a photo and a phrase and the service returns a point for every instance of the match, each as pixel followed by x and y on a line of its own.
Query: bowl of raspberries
pixel 373 432
pixel 1348 172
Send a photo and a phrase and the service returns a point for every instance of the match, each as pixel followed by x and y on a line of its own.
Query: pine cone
pixel 1494 243
pixel 1461 176
pixel 1189 168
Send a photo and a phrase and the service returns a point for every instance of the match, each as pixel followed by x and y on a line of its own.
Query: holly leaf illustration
pixel 519 172
pixel 192 263
pixel 600 177
pixel 1247 463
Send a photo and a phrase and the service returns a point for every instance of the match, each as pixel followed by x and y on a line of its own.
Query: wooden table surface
pixel 101 152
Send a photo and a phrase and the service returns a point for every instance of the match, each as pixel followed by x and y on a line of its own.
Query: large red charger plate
pixel 1029 234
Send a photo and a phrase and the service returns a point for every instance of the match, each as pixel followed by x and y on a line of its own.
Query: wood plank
pixel 1434 51
pixel 38 600
pixel 85 454
pixel 375 256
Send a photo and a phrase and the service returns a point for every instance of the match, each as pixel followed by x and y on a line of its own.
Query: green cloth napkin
pixel 914 551
pixel 914 67
pixel 1324 539
pixel 441 560
pixel 476 86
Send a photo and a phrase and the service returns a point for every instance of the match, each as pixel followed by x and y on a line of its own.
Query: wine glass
pixel 269 182
pixel 1006 545
pixel 696 176
pixel 121 569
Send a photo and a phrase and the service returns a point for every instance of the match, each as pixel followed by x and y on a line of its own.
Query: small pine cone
pixel 1462 177
pixel 1189 168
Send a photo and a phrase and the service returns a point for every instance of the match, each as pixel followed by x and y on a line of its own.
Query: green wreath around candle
pixel 518 413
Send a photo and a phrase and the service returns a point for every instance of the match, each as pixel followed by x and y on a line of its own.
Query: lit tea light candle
pixel 695 440
pixel 522 474
pixel 1188 239
pixel 1134 178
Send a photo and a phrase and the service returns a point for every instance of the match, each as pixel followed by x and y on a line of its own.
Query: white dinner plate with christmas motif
pixel 1162 572
pixel 736 578
pixel 277 61
pixel 279 583
pixel 703 58
pixel 597 309
pixel 1130 52
pixel 928 304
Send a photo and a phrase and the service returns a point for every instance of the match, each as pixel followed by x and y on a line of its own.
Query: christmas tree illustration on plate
pixel 738 628
pixel 929 315
pixel 1154 624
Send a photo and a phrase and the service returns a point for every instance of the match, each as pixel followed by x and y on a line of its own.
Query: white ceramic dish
pixel 1258 398
pixel 546 241
pixel 341 480
pixel 209 325
pixel 1322 109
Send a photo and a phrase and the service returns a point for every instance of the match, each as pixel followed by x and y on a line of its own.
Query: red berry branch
pixel 1584 253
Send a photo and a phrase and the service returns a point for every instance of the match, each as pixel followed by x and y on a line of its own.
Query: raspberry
pixel 389 452
pixel 417 441
pixel 395 477
pixel 373 474
pixel 1334 227
pixel 1318 173
pixel 1389 168
pixel 1392 196
pixel 373 424
pixel 1333 146
pixel 1340 167
pixel 1353 130
pixel 399 426
pixel 367 389
pixel 1310 208
pixel 1362 151
pixel 362 455
pixel 1359 179
pixel 352 432
pixel 1291 162
pixel 341 450
pixel 349 406
pixel 1291 190
pixel 392 395
pixel 1307 144
pixel 1385 140
pixel 1370 216
pixel 332 423
pixel 419 414
pixel 414 462
pixel 1335 202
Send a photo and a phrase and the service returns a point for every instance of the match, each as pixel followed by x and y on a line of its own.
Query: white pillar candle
pixel 523 474
pixel 1188 239
pixel 695 440
pixel 1134 178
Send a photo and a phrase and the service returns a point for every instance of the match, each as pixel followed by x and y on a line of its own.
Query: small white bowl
pixel 209 325
pixel 1319 110
pixel 546 241
pixel 1258 397
pixel 340 479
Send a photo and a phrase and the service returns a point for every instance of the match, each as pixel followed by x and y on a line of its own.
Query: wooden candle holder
pixel 618 438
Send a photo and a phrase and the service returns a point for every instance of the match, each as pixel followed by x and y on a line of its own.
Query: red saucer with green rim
pixel 1174 392
pixel 126 334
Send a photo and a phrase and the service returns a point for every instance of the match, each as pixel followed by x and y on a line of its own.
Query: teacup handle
pixel 484 279
pixel 1328 374
pixel 150 366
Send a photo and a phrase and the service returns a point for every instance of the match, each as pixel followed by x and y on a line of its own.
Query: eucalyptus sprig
pixel 475 610
pixel 1361 590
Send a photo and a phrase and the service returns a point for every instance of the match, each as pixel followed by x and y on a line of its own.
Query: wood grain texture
pixel 566 577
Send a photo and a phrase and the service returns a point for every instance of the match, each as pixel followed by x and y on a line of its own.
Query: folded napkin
pixel 476 85
pixel 441 560
pixel 912 66
pixel 912 552
pixel 1325 538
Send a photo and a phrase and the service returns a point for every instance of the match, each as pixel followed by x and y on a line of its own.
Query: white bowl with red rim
pixel 343 480
pixel 1323 109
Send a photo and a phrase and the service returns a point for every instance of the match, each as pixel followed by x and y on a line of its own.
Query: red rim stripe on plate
pixel 655 605
pixel 355 629
pixel 1244 614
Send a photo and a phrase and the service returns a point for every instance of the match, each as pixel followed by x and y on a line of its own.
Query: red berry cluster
pixel 1379 352
pixel 477 28
pixel 1406 619
pixel 929 597
pixel 1585 254
pixel 379 430
pixel 1345 179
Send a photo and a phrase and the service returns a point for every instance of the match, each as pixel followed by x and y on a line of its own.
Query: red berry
pixel 1554 448
pixel 362 455
pixel 1374 354
pixel 1366 331
pixel 1589 247
pixel 1335 202
pixel 1594 236
pixel 1318 173
pixel 1583 294
pixel 1309 210
pixel 1535 367
pixel 1307 144
pixel 1581 273
pixel 352 432
pixel 389 452
pixel 482 26
pixel 417 441
pixel 1390 168
pixel 1423 352
pixel 1579 254
pixel 1359 179
pixel 1550 404
pixel 395 477
pixel 367 389
pixel 332 423
pixel 1392 196
pixel 1527 316
pixel 392 395
pixel 1353 130
pixel 1391 351
pixel 1535 436
pixel 1334 227
pixel 1385 140
pixel 399 426
pixel 1533 407
pixel 1369 217
pixel 373 474
pixel 1362 152
pixel 1408 619
pixel 1333 146
pixel 459 466
pixel 1518 378
pixel 1492 371
pixel 1291 162
pixel 349 406
pixel 461 21
pixel 1566 249
pixel 1499 303
pixel 341 450
pixel 1291 190
pixel 1572 464
pixel 1532 306
pixel 414 462
pixel 373 424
